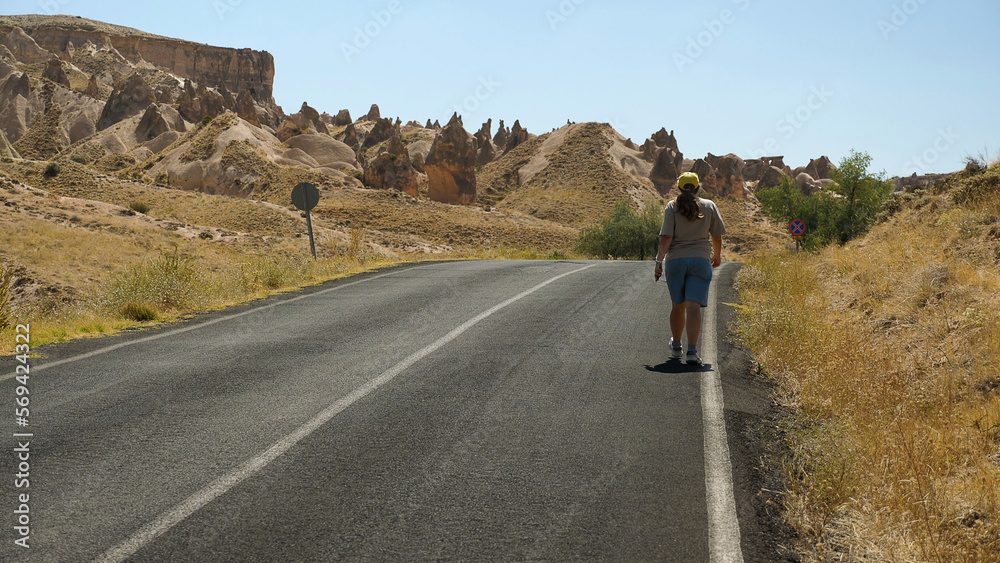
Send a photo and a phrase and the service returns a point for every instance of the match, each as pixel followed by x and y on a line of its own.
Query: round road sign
pixel 797 228
pixel 305 196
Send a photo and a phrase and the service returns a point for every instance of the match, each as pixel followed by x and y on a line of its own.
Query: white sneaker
pixel 693 358
pixel 676 351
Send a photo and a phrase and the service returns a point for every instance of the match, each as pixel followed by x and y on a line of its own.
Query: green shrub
pixel 52 170
pixel 139 207
pixel 847 209
pixel 624 233
pixel 79 159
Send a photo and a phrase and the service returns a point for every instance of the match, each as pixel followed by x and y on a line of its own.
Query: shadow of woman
pixel 677 366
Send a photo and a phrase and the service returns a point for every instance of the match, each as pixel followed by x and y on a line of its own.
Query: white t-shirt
pixel 691 238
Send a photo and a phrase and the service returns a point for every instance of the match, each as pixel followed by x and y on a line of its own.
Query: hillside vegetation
pixel 886 352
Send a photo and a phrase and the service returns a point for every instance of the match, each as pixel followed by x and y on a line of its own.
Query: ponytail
pixel 688 206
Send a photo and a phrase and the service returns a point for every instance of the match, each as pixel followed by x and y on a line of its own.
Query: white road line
pixel 723 525
pixel 189 328
pixel 223 484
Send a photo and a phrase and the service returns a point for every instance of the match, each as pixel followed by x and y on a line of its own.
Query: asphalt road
pixel 456 411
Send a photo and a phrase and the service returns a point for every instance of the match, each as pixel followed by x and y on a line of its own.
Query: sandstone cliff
pixel 236 69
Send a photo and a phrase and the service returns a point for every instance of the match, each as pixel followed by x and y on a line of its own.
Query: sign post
pixel 305 196
pixel 798 230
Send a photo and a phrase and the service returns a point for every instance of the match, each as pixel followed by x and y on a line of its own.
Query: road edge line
pixel 723 524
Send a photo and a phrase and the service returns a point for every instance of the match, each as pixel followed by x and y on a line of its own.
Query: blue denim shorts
pixel 688 279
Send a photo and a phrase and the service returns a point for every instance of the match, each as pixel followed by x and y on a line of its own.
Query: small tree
pixel 623 233
pixel 864 194
pixel 838 214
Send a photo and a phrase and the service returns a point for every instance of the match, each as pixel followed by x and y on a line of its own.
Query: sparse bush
pixel 140 313
pixel 206 120
pixel 263 274
pixel 975 165
pixel 79 159
pixel 6 291
pixel 357 245
pixel 557 255
pixel 52 170
pixel 139 207
pixel 977 190
pixel 168 283
pixel 623 233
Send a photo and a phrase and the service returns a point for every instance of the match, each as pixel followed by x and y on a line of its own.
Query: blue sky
pixel 914 83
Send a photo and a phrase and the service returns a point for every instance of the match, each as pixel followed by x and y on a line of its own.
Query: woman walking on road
pixel 691 245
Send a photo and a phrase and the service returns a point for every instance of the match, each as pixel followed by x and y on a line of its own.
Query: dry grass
pixel 6 296
pixel 405 224
pixel 202 140
pixel 579 185
pixel 887 351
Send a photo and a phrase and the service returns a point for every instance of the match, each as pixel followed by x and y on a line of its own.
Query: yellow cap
pixel 688 178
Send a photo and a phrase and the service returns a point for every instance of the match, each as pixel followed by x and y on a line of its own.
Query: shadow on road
pixel 677 366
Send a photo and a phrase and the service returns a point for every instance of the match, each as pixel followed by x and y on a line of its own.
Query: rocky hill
pixel 138 104
pixel 114 104
pixel 117 145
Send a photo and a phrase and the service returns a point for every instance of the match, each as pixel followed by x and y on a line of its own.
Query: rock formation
pixel 54 72
pixel 246 109
pixel 93 90
pixel 820 168
pixel 770 178
pixel 213 104
pixel 487 150
pixel 7 151
pixel 133 98
pixel 500 139
pixel 383 130
pixel 806 183
pixel 313 116
pixel 306 121
pixel 7 66
pixel 664 139
pixel 451 165
pixel 237 69
pixel 373 114
pixel 158 119
pixel 725 177
pixel 351 138
pixel 22 46
pixel 702 169
pixel 188 103
pixel 517 136
pixel 666 170
pixel 326 151
pixel 418 154
pixel 650 150
pixel 343 118
pixel 391 169
pixel 754 169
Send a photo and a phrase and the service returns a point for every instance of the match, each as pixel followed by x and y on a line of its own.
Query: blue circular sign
pixel 797 227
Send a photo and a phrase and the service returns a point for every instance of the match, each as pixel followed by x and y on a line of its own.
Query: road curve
pixel 463 411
